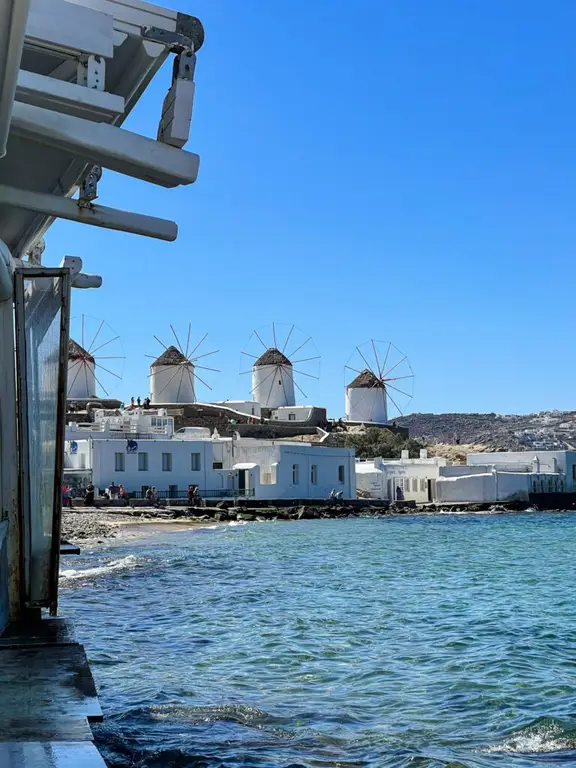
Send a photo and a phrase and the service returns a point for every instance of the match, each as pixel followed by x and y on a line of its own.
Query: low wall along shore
pixel 103 522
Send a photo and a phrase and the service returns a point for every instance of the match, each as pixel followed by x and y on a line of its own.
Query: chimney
pixel 424 453
pixel 405 455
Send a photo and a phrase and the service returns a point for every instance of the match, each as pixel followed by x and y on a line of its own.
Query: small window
pixel 291 417
pixel 414 484
pixel 341 474
pixel 573 471
pixel 195 462
pixel 142 462
pixel 314 474
pixel 119 462
pixel 423 485
pixel 295 474
pixel 217 465
pixel 166 462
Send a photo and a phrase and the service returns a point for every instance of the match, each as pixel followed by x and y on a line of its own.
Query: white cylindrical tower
pixel 81 374
pixel 273 380
pixel 366 399
pixel 172 378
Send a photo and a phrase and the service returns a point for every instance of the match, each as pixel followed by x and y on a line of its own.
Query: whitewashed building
pixel 292 413
pixel 404 478
pixel 244 407
pixel 220 466
pixel 507 476
pixel 131 422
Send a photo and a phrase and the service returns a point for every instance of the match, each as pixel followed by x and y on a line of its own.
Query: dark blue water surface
pixel 417 641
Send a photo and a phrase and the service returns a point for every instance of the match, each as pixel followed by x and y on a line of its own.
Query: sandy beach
pixel 96 524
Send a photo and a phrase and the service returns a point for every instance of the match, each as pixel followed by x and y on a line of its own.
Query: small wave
pixel 174 735
pixel 243 714
pixel 238 522
pixel 543 736
pixel 125 563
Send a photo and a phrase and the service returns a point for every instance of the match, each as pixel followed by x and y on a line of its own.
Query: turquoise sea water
pixel 407 641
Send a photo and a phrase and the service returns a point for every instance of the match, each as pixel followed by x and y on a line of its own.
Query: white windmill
pixel 274 381
pixel 384 383
pixel 95 361
pixel 174 374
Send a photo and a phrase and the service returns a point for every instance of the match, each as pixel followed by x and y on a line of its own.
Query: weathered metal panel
pixel 59 25
pixel 42 298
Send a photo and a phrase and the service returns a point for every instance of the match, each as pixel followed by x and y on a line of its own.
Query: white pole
pixel 13 18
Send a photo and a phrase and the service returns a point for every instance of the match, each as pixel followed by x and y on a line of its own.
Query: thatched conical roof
pixel 170 356
pixel 76 352
pixel 272 356
pixel 366 380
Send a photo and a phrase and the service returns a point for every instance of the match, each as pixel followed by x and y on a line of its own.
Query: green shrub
pixel 374 442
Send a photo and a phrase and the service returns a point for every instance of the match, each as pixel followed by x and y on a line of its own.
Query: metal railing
pixel 247 493
pixel 116 434
pixel 222 493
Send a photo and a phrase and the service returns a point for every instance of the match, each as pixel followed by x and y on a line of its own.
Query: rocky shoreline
pixel 87 523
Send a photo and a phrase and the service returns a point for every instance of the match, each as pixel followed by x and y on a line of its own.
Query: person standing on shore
pixel 89 495
pixel 152 496
pixel 66 496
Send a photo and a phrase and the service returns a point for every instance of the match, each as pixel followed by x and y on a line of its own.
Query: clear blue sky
pixel 385 168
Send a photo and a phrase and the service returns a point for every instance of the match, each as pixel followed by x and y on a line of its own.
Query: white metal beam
pixel 131 15
pixel 44 91
pixel 80 279
pixel 13 16
pixel 74 29
pixel 108 146
pixel 94 215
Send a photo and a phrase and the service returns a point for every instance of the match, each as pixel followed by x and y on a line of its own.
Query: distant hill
pixel 547 430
